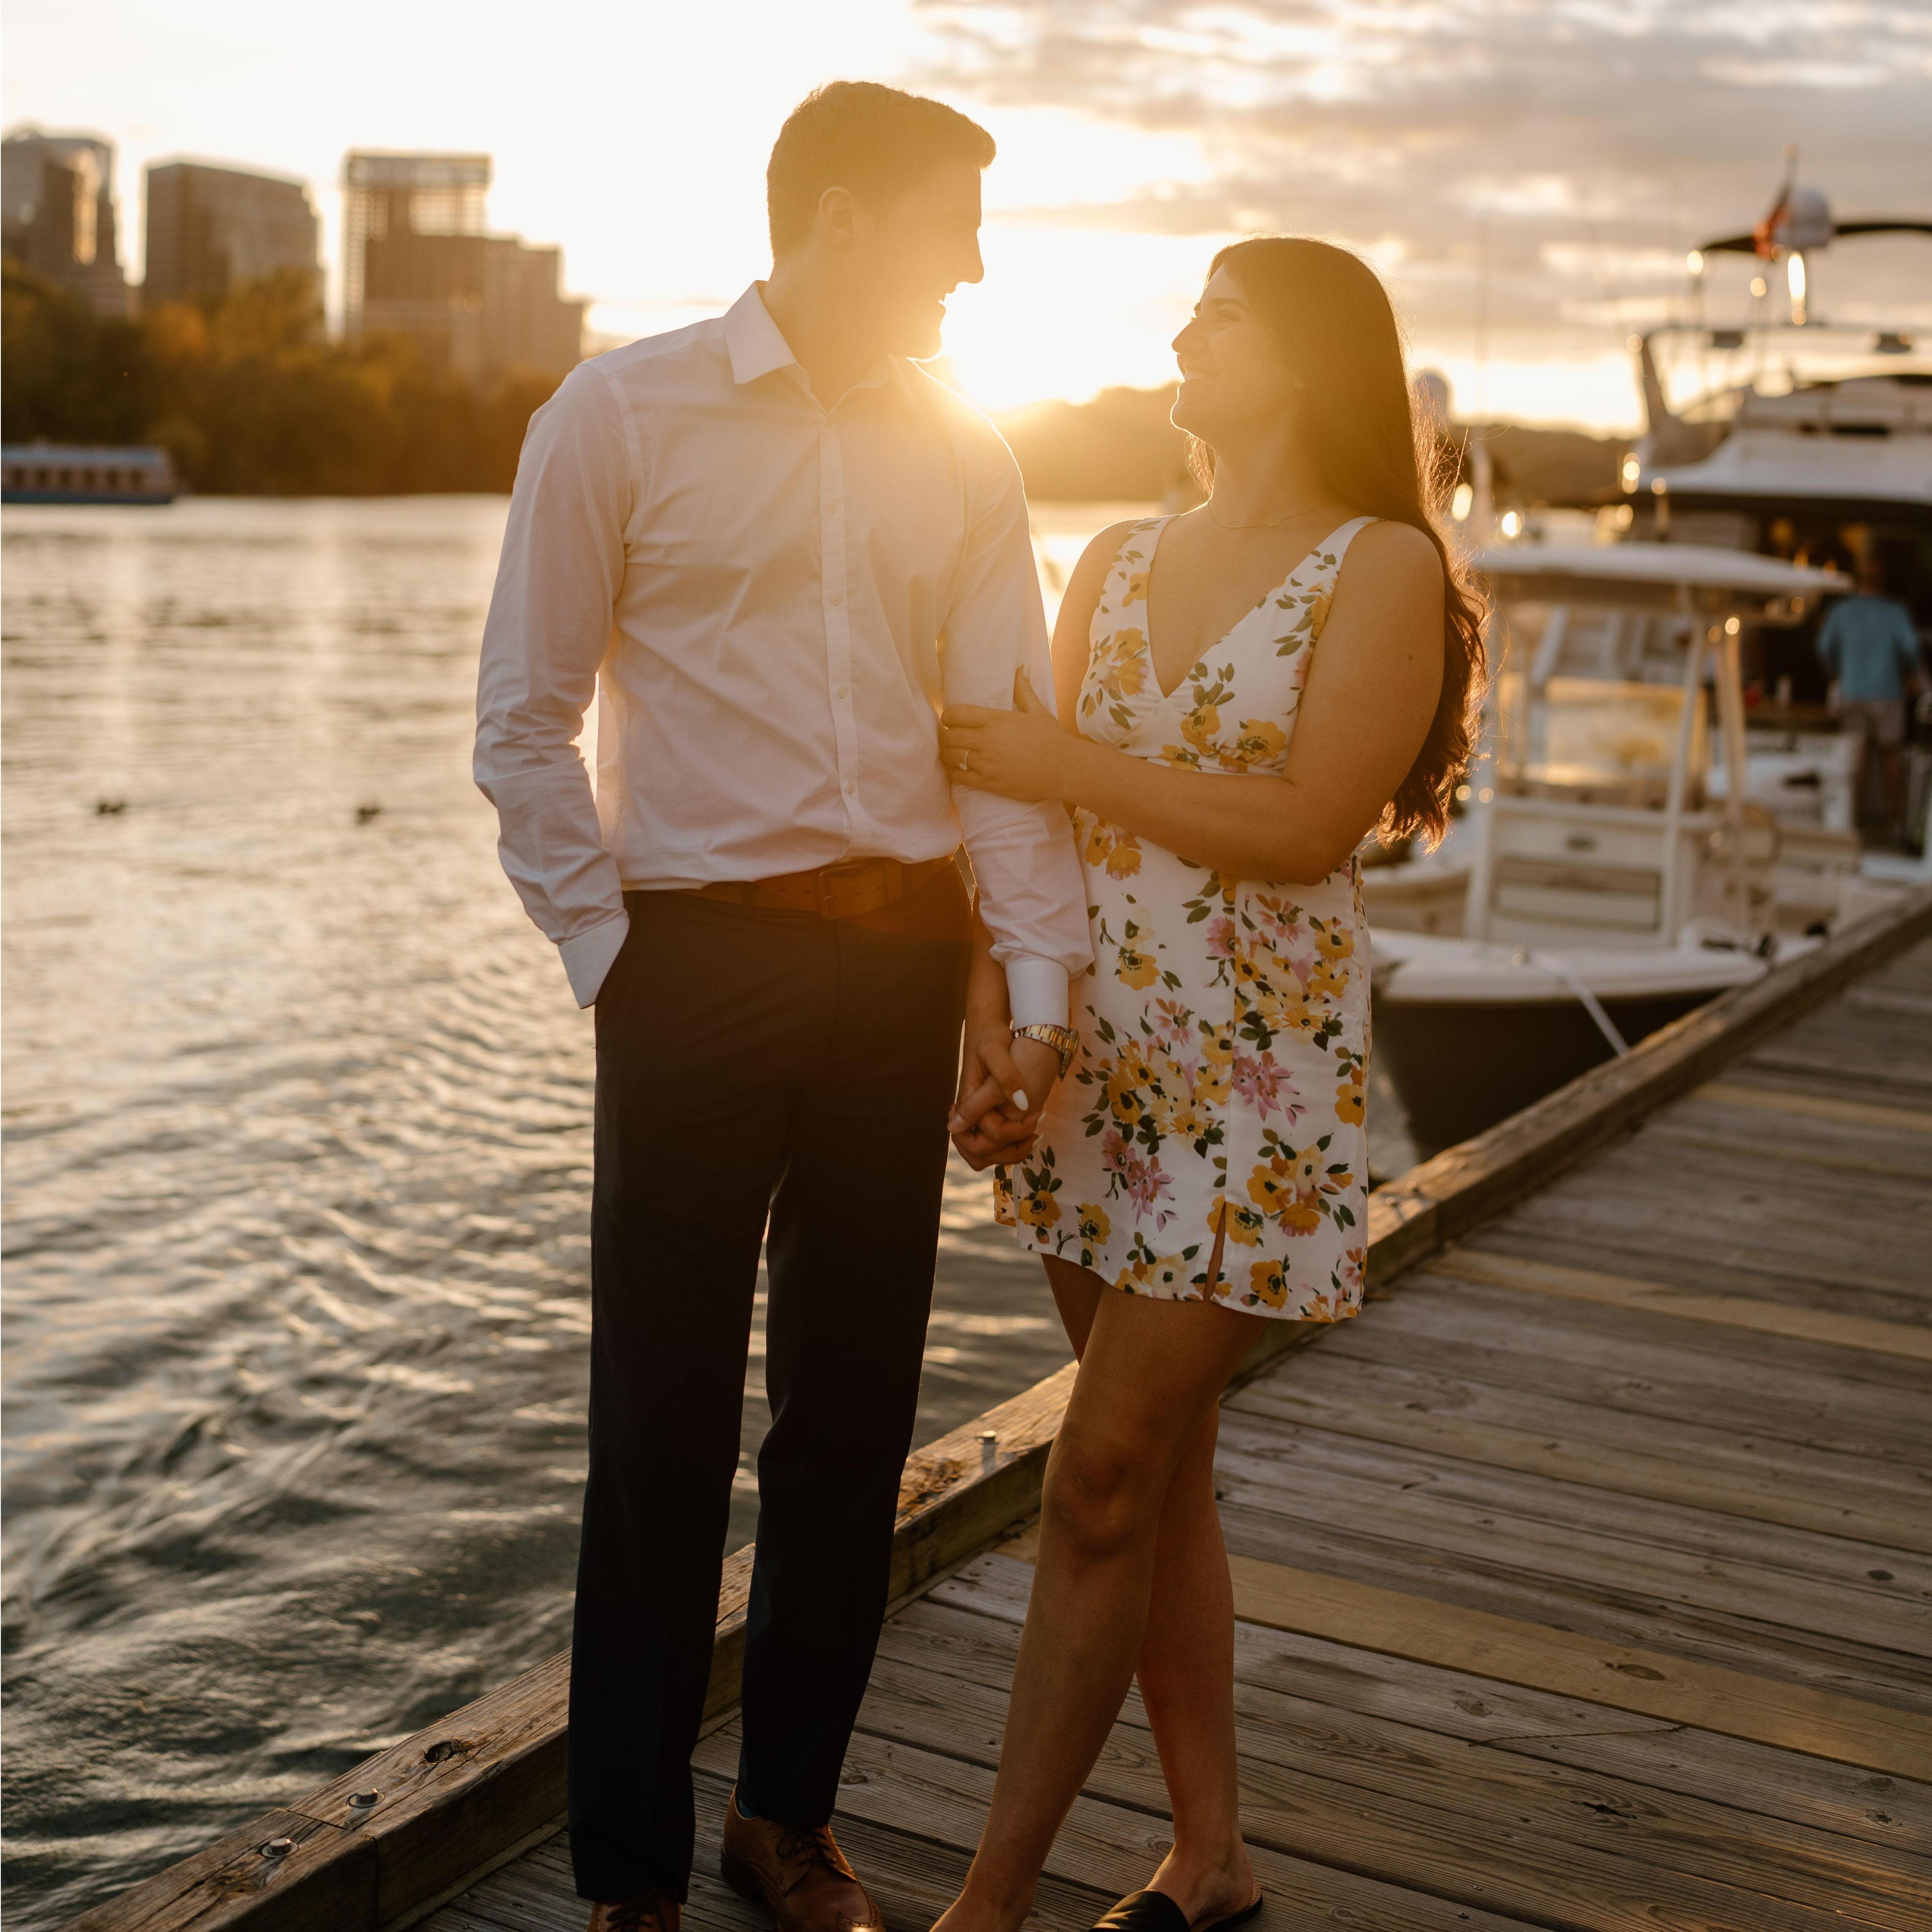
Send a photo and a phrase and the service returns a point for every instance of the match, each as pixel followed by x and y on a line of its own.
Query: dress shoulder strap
pixel 1141 536
pixel 1125 587
pixel 1328 571
pixel 1337 545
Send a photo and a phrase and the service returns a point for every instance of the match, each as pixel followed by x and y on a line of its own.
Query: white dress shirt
pixel 772 601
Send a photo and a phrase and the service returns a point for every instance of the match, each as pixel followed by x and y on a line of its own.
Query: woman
pixel 1251 688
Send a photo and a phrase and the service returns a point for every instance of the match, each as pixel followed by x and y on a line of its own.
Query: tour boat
pixel 48 472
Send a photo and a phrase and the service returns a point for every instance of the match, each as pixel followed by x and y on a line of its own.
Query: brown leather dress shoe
pixel 657 1912
pixel 797 1873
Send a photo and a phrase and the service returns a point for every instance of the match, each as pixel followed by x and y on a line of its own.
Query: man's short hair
pixel 873 140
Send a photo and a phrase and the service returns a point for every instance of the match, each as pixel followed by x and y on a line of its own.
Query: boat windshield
pixel 1590 706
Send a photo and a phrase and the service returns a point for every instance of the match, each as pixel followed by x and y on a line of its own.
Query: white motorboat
pixel 1601 883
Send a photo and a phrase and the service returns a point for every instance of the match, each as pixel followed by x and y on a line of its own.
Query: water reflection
pixel 297 1119
pixel 297 1122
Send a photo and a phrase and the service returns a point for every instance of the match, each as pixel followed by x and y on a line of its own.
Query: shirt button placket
pixel 832 550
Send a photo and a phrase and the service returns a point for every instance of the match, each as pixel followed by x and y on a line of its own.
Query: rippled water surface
pixel 298 1154
pixel 297 1113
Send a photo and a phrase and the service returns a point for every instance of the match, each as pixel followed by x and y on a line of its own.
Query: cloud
pixel 1576 147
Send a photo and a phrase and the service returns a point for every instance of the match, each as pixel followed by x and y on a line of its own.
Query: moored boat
pixel 1601 883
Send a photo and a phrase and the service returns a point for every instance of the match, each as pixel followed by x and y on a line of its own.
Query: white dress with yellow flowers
pixel 1224 1028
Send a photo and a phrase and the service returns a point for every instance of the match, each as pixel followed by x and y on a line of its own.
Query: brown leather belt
pixel 848 890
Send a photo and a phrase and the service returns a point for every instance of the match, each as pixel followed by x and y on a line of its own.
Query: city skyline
pixel 418 260
pixel 1528 211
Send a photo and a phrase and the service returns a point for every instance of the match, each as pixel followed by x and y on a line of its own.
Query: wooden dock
pixel 1585 1581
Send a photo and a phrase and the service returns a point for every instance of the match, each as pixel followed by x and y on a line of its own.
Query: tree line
pixel 249 397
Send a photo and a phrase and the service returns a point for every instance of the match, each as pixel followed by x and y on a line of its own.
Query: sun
pixel 1066 312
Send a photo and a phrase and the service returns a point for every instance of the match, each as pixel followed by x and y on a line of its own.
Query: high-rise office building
pixel 210 229
pixel 526 324
pixel 57 214
pixel 417 263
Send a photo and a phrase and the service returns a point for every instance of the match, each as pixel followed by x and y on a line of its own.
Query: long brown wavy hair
pixel 1331 316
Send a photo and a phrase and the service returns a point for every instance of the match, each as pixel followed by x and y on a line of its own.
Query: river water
pixel 297 1129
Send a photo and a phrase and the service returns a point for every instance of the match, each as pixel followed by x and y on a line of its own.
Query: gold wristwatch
pixel 1064 1040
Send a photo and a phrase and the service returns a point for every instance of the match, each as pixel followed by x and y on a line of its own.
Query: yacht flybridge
pixel 1793 415
pixel 1785 429
pixel 1614 869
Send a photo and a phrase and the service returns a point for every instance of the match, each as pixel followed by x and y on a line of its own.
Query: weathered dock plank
pixel 1830 1325
pixel 1538 1433
pixel 1582 1582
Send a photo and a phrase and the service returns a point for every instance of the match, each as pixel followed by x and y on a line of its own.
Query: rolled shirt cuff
pixel 588 956
pixel 1036 991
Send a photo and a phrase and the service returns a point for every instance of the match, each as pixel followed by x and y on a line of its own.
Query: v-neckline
pixel 1275 590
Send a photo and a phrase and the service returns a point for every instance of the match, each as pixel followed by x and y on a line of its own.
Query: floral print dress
pixel 1224 1028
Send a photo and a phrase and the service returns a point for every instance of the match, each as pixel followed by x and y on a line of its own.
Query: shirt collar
pixel 758 347
pixel 753 338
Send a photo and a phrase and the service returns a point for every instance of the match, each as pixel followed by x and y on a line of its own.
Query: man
pixel 775 549
pixel 1870 653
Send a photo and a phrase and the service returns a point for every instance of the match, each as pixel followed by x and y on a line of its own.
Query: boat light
pixel 1512 525
pixel 1794 276
pixel 1461 502
pixel 1632 471
pixel 1758 285
pixel 1694 262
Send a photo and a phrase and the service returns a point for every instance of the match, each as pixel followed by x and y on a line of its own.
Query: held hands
pixel 1023 754
pixel 1003 1084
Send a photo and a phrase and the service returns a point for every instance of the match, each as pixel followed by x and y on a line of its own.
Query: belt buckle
pixel 826 875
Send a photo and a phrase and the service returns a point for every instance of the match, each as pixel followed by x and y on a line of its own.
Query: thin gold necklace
pixel 1274 523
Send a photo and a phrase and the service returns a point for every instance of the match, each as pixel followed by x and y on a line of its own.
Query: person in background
pixel 1245 692
pixel 1869 648
pixel 774 548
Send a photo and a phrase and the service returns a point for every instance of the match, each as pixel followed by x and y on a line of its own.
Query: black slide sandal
pixel 1234 1918
pixel 1155 1912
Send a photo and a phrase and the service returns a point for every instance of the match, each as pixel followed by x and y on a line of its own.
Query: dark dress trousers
pixel 773 1077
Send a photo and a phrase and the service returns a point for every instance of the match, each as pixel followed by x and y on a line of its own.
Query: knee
pixel 1099 1496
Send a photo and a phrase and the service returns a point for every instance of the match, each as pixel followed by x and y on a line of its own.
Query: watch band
pixel 1064 1040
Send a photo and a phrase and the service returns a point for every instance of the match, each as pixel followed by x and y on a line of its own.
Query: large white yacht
pixel 1795 433
pixel 1611 873
pixel 1800 430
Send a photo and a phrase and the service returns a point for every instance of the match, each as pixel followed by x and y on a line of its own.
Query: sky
pixel 1527 174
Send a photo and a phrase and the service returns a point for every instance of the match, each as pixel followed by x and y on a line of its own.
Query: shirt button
pixel 843 691
pixel 851 786
pixel 835 601
pixel 833 508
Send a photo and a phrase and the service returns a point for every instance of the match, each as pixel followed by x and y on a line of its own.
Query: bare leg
pixel 1187 1684
pixel 1142 1410
pixel 1186 1667
pixel 1891 766
pixel 1862 763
